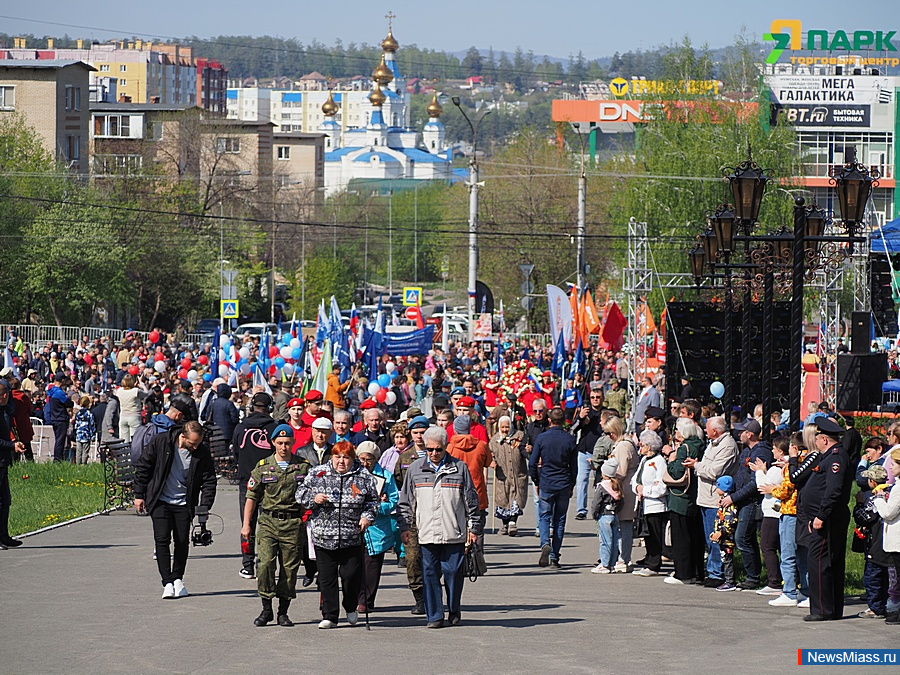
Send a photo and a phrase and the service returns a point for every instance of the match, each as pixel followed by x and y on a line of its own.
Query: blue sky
pixel 546 28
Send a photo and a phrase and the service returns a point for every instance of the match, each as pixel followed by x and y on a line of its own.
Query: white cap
pixel 322 423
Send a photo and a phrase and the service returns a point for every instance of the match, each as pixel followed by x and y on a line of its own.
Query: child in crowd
pixel 607 502
pixel 571 400
pixel 85 430
pixel 869 524
pixel 771 508
pixel 723 532
pixel 793 567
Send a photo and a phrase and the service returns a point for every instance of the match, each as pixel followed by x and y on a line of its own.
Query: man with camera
pixel 174 475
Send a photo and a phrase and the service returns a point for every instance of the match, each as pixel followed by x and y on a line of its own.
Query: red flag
pixel 614 328
pixel 420 320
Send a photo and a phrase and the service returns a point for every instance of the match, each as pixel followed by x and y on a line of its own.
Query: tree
pixel 324 278
pixel 472 62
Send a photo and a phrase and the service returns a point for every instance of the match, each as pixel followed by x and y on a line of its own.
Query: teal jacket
pixel 683 501
pixel 380 535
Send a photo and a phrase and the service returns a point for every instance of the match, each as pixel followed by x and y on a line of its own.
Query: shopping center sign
pixel 787 34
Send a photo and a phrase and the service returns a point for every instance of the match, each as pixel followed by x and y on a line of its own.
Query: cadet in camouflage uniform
pixel 417 427
pixel 273 484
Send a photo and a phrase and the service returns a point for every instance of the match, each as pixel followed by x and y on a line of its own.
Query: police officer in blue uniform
pixel 823 516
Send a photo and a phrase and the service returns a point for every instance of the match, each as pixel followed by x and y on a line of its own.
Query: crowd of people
pixel 334 481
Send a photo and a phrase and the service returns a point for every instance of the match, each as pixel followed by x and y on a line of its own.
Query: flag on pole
pixel 590 320
pixel 560 312
pixel 559 358
pixel 294 325
pixel 214 352
pixel 259 378
pixel 614 327
pixel 323 325
pixel 263 356
pixel 320 381
pixel 576 315
pixel 578 360
pixel 354 320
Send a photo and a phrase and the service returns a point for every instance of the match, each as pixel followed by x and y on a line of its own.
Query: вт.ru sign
pixel 787 34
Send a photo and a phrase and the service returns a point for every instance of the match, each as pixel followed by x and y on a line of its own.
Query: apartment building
pixel 52 97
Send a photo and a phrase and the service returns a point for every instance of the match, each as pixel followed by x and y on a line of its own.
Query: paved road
pixel 86 599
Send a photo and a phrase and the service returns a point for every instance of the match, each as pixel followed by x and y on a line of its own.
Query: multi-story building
pixel 52 97
pixel 144 72
pixel 367 129
pixel 840 112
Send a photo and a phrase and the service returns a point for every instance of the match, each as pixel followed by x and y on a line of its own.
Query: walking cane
pixel 494 505
pixel 362 565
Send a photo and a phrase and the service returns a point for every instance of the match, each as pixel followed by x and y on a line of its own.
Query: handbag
pixel 684 482
pixel 641 526
pixel 474 564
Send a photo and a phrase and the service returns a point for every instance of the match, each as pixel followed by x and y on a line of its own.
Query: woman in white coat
pixel 650 489
pixel 889 510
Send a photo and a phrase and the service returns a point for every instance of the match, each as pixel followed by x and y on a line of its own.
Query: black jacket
pixel 7 447
pixel 224 413
pixel 589 428
pixel 308 452
pixel 745 490
pixel 153 468
pixel 250 442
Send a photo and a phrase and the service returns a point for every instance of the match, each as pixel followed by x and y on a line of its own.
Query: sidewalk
pixel 86 599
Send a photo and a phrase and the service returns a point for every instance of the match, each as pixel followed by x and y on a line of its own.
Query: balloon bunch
pixel 379 388
pixel 515 376
pixel 285 355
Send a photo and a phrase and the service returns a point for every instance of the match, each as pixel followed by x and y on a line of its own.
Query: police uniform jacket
pixel 827 490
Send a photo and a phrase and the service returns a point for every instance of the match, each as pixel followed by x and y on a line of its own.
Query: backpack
pixel 141 439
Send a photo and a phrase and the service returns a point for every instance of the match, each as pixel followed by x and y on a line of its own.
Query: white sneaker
pixel 168 592
pixel 769 590
pixel 621 568
pixel 645 572
pixel 803 604
pixel 325 623
pixel 783 601
pixel 180 590
pixel 673 580
pixel 600 569
pixel 352 618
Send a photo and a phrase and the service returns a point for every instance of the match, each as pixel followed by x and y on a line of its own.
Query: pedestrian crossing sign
pixel 412 296
pixel 229 309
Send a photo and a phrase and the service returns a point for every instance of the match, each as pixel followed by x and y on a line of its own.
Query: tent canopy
pixel 886 239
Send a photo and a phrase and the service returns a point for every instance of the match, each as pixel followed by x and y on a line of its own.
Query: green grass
pixel 46 494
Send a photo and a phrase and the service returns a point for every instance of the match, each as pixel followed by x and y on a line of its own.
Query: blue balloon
pixel 384 380
pixel 394 373
pixel 279 362
pixel 295 353
pixel 207 377
pixel 717 389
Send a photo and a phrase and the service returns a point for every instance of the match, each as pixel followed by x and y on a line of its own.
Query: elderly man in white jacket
pixel 719 459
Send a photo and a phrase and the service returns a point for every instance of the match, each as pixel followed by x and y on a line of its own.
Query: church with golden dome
pixel 386 146
pixel 367 127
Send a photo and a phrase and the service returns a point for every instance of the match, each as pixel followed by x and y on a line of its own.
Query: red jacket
pixel 22 416
pixel 477 456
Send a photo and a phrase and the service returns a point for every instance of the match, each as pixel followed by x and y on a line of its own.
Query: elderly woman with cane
pixel 343 499
pixel 510 475
pixel 379 537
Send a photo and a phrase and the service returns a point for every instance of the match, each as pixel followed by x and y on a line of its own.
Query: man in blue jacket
pixel 746 497
pixel 553 467
pixel 56 414
pixel 224 413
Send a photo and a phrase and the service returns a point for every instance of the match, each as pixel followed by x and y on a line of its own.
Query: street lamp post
pixel 582 210
pixel 473 213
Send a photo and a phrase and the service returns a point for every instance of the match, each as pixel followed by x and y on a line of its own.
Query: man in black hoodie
pixel 250 444
pixel 224 412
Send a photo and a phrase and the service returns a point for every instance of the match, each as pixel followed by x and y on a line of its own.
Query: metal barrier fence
pixel 38 336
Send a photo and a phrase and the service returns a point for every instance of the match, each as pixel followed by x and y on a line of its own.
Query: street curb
pixel 64 523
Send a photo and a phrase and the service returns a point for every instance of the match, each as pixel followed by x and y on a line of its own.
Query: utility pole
pixel 390 243
pixel 473 214
pixel 582 208
pixel 416 234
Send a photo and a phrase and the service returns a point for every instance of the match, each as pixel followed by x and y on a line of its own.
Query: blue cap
pixel 725 484
pixel 283 431
pixel 418 422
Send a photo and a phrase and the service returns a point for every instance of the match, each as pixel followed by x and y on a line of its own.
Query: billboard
pixel 861 101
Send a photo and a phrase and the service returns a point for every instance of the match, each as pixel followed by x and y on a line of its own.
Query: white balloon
pixel 245 368
pixel 373 388
pixel 390 367
pixel 160 366
pixel 223 371
pixel 222 355
pixel 286 352
pixel 390 398
pixel 288 369
pixel 192 375
pixel 295 343
pixel 244 352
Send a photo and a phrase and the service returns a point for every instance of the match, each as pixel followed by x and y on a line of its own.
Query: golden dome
pixel 382 74
pixel 434 108
pixel 389 44
pixel 377 97
pixel 330 108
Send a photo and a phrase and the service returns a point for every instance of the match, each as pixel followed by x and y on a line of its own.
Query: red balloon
pixel 153 336
pixel 203 359
pixel 381 395
pixel 133 370
pixel 272 370
pixel 273 352
pixel 186 363
pixel 159 356
pixel 183 373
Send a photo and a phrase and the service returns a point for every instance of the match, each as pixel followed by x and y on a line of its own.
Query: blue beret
pixel 283 431
pixel 458 390
pixel 419 422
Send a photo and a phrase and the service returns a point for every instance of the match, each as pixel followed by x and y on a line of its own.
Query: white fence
pixel 38 336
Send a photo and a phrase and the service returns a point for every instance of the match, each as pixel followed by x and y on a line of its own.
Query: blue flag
pixel 578 361
pixel 301 362
pixel 214 353
pixel 263 357
pixel 500 364
pixel 526 356
pixel 559 358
